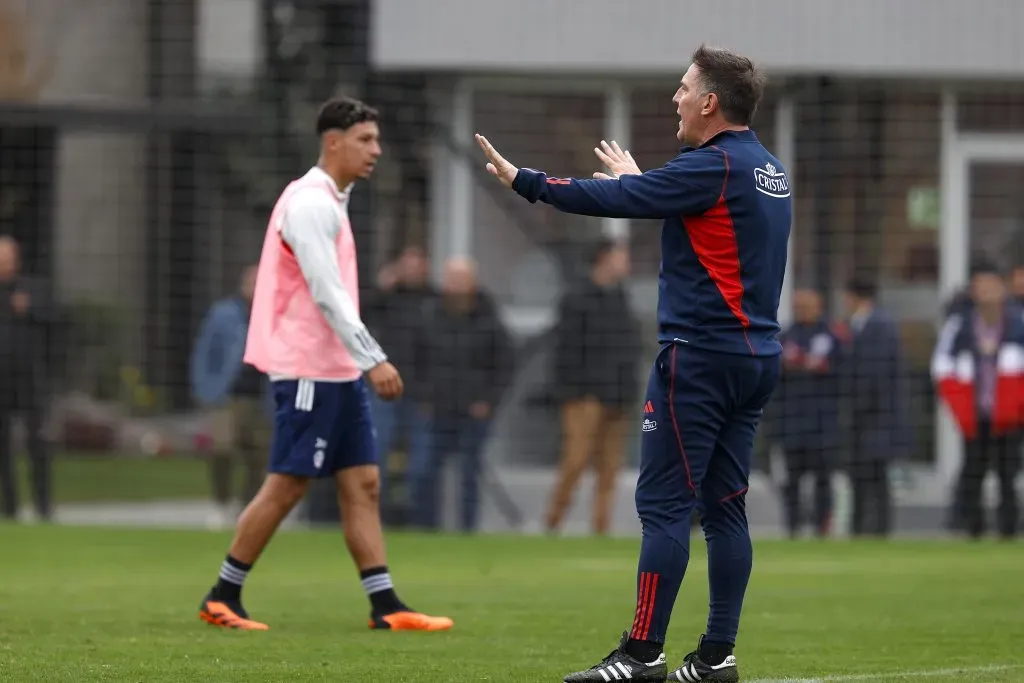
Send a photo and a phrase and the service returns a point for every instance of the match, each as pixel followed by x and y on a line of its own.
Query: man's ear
pixel 710 104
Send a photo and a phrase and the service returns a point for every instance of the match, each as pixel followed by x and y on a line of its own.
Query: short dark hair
pixel 738 84
pixel 984 266
pixel 341 113
pixel 862 288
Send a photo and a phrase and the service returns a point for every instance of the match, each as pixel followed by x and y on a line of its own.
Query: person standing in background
pixel 25 312
pixel 876 388
pixel 978 369
pixel 467 355
pixel 808 410
pixel 395 316
pixel 596 379
pixel 233 394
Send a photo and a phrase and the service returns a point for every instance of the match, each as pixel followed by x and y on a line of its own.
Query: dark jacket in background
pixel 23 343
pixel 806 401
pixel 597 346
pixel 876 385
pixel 394 318
pixel 465 357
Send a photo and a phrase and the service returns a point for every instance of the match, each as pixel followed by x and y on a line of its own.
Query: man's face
pixel 851 302
pixel 413 266
pixel 459 279
pixel 690 104
pixel 807 306
pixel 987 289
pixel 8 260
pixel 357 148
pixel 1017 282
pixel 617 263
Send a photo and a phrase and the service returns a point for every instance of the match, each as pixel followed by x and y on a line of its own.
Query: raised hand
pixel 619 162
pixel 497 165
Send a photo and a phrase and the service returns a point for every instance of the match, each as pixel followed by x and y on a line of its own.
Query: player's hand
pixel 386 381
pixel 497 165
pixel 619 162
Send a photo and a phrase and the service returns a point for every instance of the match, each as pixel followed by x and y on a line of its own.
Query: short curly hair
pixel 341 113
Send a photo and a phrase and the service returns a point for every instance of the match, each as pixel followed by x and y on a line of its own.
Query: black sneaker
pixel 696 669
pixel 619 666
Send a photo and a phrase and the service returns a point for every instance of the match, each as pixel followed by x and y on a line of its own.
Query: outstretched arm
pixel 690 184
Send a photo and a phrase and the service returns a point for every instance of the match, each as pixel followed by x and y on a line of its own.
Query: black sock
pixel 231 579
pixel 377 584
pixel 645 651
pixel 714 653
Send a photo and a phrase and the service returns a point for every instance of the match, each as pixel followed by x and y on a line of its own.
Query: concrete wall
pixel 98 54
pixel 908 37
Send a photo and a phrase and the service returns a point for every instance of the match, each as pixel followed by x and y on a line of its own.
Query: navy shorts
pixel 698 422
pixel 321 427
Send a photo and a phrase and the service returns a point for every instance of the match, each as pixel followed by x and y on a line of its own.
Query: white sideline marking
pixel 934 673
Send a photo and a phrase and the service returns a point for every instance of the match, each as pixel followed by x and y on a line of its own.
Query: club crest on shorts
pixel 318 456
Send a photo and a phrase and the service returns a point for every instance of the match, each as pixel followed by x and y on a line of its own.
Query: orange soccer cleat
pixel 228 614
pixel 410 621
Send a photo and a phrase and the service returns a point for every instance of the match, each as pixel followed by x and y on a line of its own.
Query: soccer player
pixel 306 334
pixel 726 205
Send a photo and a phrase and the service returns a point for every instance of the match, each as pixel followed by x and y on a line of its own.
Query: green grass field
pixel 117 478
pixel 88 604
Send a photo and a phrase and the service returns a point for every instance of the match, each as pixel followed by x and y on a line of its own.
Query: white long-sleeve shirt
pixel 311 227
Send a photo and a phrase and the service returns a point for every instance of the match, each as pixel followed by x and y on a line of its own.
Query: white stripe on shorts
pixel 304 395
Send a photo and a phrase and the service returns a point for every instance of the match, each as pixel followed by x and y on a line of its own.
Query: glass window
pixel 998 108
pixel 997 213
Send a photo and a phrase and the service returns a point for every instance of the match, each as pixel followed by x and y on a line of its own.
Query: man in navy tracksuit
pixel 727 208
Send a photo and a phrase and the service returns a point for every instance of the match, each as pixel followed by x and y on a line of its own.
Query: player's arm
pixel 688 185
pixel 310 228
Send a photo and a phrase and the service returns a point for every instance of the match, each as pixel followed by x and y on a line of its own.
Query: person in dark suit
pixel 597 358
pixel 807 409
pixel 876 389
pixel 25 313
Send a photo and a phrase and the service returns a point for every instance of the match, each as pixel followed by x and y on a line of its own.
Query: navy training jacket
pixel 727 209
